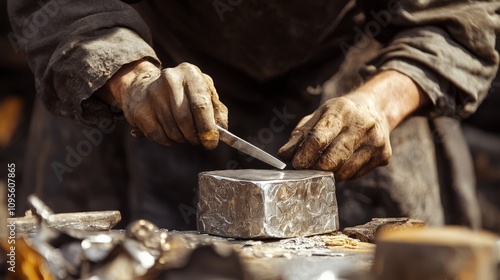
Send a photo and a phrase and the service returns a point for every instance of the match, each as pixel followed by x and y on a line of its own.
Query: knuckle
pixel 344 148
pixel 317 138
pixel 378 142
pixel 339 154
pixel 370 123
pixel 359 173
pixel 304 158
pixel 338 102
pixel 379 138
pixel 326 162
pixel 342 105
pixel 359 160
pixel 202 101
pixel 385 156
pixel 298 163
pixel 349 105
pixel 188 67
pixel 175 135
pixel 150 129
pixel 341 175
pixel 152 135
pixel 221 118
pixel 209 79
pixel 143 120
pixel 184 65
pixel 366 122
pixel 221 108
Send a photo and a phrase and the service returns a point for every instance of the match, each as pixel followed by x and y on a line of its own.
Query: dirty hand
pixel 177 104
pixel 349 135
pixel 343 136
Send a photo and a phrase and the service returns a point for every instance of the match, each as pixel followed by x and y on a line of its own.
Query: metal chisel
pixel 247 148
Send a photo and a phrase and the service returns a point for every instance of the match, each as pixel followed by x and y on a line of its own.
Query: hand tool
pixel 237 143
pixel 247 148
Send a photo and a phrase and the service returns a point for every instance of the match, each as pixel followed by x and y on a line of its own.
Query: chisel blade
pixel 249 149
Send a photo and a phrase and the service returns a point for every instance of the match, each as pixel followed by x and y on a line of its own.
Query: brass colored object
pixel 436 253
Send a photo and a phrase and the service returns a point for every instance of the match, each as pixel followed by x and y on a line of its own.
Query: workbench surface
pixel 329 256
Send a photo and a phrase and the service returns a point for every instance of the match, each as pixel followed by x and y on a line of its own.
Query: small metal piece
pixel 76 223
pixel 84 221
pixel 208 262
pixel 146 233
pixel 96 248
pixel 26 225
pixel 266 203
pixel 40 207
pixel 137 251
pixel 247 148
pixel 369 231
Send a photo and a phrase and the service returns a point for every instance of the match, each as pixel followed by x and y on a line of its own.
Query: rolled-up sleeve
pixel 446 47
pixel 73 47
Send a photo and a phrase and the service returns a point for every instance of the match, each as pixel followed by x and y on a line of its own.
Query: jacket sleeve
pixel 446 47
pixel 73 47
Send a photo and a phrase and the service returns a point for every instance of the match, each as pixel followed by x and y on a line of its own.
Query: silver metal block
pixel 266 203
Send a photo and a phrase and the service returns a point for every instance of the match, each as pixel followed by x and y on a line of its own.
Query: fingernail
pixel 298 164
pixel 210 144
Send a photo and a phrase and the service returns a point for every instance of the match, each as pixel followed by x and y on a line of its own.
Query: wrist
pixel 120 84
pixel 393 94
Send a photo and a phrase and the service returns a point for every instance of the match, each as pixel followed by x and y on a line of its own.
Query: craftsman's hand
pixel 177 104
pixel 344 136
pixel 350 135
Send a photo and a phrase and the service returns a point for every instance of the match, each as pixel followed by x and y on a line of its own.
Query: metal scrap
pixel 74 247
pixel 369 231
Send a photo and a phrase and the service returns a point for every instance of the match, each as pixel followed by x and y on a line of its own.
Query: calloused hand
pixel 350 135
pixel 177 104
pixel 343 136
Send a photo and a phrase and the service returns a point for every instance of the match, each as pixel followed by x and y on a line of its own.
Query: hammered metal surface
pixel 266 203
